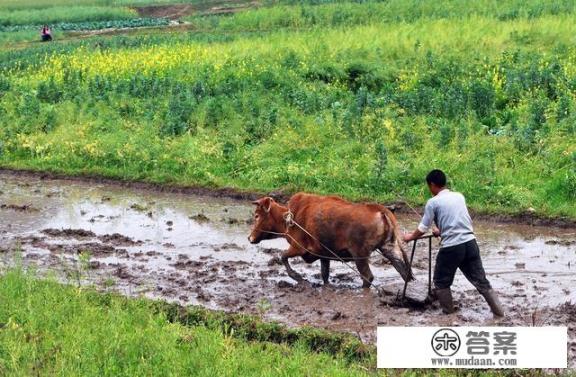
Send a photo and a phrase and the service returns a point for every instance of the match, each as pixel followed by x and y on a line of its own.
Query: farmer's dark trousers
pixel 466 257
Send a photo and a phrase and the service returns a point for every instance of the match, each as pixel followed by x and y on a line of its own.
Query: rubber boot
pixel 493 302
pixel 445 299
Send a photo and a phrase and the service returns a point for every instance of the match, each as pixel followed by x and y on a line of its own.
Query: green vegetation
pixel 50 329
pixel 357 98
pixel 23 36
pixel 340 13
pixel 64 14
pixel 38 4
pixel 91 25
pixel 354 99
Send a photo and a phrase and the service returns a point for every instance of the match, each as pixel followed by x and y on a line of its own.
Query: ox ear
pixel 264 203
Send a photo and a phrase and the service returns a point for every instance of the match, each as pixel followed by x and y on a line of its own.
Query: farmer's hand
pixel 407 237
pixel 436 232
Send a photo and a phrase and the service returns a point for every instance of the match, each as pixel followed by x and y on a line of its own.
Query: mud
pixel 193 249
pixel 526 218
pixel 18 208
pixel 69 233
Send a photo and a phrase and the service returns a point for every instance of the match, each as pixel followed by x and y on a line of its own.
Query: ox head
pixel 268 220
pixel 395 249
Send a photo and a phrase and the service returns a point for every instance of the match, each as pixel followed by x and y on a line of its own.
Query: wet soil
pixel 401 208
pixel 192 249
pixel 18 208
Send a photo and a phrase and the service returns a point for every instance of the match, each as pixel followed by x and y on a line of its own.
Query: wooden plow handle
pixel 429 237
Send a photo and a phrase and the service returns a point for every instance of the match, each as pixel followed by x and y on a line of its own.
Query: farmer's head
pixel 436 181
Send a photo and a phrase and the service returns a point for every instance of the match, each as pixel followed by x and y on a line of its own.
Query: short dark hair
pixel 437 177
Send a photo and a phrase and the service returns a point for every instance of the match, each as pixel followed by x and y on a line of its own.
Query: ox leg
pixel 325 269
pixel 291 252
pixel 293 274
pixel 364 269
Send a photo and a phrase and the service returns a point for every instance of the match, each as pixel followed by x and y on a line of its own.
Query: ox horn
pixel 265 203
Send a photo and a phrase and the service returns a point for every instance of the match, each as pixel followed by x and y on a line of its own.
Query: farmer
pixel 45 34
pixel 458 244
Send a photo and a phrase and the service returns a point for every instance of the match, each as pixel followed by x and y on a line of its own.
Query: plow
pixel 412 293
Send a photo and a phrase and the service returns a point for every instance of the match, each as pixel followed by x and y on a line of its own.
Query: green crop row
pixel 93 25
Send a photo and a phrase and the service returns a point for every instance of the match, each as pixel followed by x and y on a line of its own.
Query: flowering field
pixel 361 109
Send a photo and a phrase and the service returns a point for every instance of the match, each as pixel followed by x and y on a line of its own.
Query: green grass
pixel 328 14
pixel 37 4
pixel 50 329
pixel 64 14
pixel 28 37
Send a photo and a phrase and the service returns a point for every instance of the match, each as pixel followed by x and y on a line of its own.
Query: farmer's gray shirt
pixel 448 210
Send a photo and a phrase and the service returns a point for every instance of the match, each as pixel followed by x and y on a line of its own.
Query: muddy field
pixel 194 250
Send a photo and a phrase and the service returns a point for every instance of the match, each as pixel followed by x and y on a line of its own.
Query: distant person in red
pixel 46 34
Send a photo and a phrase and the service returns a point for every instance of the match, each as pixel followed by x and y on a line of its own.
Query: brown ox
pixel 330 228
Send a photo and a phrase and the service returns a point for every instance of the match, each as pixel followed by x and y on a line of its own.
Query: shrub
pixel 49 91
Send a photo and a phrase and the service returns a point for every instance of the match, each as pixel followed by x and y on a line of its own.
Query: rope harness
pixel 289 221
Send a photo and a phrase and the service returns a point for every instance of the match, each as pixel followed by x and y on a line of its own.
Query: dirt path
pixel 177 11
pixel 193 249
pixel 172 11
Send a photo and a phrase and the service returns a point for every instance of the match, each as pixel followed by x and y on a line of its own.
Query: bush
pixel 49 91
pixel 178 115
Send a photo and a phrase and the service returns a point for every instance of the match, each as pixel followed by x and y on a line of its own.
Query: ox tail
pixel 398 255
